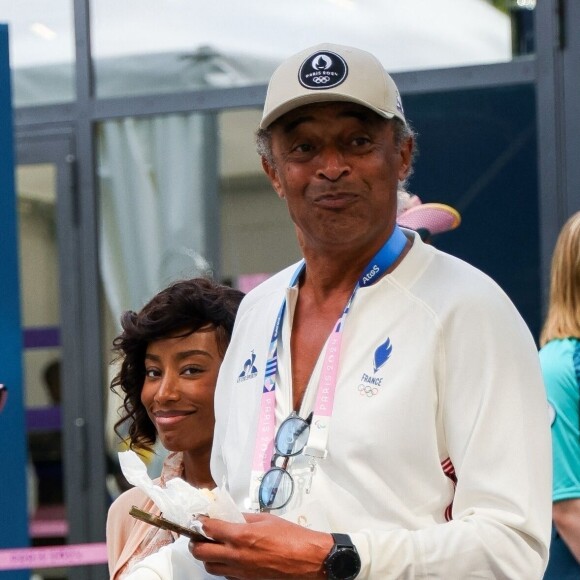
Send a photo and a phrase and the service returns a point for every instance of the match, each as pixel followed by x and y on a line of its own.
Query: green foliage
pixel 502 5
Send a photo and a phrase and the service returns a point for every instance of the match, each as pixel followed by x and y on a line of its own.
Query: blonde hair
pixel 563 319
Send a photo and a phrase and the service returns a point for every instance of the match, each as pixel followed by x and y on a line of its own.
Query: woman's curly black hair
pixel 184 307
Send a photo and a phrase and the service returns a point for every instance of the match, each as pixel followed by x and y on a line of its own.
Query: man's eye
pixel 361 141
pixel 303 148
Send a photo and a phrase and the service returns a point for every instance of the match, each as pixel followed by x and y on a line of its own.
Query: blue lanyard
pixel 380 263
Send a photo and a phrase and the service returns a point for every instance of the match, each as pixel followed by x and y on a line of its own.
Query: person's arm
pixel 566 515
pixel 119 526
pixel 498 438
pixel 125 533
pixel 265 547
pixel 562 386
pixel 495 430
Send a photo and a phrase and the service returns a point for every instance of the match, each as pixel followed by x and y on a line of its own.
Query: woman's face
pixel 178 391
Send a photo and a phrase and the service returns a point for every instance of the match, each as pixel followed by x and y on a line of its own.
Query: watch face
pixel 344 564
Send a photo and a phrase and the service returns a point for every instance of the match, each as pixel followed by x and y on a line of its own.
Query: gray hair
pixel 403 132
pixel 264 145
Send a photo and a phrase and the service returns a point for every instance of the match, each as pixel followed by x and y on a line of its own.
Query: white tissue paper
pixel 179 501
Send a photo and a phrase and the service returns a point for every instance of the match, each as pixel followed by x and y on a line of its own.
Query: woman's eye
pixel 191 371
pixel 152 373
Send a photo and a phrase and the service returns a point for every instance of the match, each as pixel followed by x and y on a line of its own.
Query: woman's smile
pixel 170 418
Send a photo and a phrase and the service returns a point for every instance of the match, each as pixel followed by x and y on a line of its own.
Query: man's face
pixel 337 167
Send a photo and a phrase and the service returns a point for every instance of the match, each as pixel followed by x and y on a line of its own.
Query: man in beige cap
pixel 380 410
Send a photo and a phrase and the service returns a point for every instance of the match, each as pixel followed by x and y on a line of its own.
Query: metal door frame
pixel 84 469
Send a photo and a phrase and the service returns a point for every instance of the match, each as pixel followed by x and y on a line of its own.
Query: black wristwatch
pixel 343 561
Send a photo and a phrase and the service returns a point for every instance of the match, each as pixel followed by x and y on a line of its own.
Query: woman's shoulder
pixel 560 361
pixel 122 504
pixel 120 524
pixel 560 350
pixel 125 533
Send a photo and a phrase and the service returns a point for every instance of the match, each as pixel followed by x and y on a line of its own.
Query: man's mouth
pixel 335 200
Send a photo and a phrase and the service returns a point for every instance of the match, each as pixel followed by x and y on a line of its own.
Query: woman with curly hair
pixel 170 354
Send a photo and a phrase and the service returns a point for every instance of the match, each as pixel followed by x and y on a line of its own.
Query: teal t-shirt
pixel 560 360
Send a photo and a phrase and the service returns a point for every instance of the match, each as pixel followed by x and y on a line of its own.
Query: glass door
pixel 51 319
pixel 36 187
pixel 41 171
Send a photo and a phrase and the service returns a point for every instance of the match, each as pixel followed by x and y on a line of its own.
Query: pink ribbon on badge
pixel 266 425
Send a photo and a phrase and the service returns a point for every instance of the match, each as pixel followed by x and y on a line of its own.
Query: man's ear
pixel 272 174
pixel 406 154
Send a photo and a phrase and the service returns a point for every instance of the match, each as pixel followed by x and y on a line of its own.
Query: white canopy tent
pixel 143 46
pixel 405 35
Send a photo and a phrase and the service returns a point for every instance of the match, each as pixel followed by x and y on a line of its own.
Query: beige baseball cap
pixel 331 72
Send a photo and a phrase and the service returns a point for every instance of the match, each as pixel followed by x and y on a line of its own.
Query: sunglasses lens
pixel 292 436
pixel 276 489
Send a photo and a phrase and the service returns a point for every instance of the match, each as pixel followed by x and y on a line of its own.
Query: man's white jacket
pixel 439 459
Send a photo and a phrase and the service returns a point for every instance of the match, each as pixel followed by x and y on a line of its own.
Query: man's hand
pixel 265 547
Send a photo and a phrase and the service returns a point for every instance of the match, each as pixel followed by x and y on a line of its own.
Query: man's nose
pixel 333 164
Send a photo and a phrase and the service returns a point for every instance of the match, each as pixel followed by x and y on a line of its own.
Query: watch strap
pixel 343 561
pixel 342 540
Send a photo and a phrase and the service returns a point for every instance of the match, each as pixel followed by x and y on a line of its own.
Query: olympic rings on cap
pixel 319 80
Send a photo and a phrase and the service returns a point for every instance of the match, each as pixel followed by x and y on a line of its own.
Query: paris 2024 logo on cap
pixel 322 70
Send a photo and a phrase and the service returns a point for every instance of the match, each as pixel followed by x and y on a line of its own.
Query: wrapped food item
pixel 179 501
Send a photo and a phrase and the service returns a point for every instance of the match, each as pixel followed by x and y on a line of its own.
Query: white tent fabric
pixel 152 217
pixel 151 46
pixel 407 34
